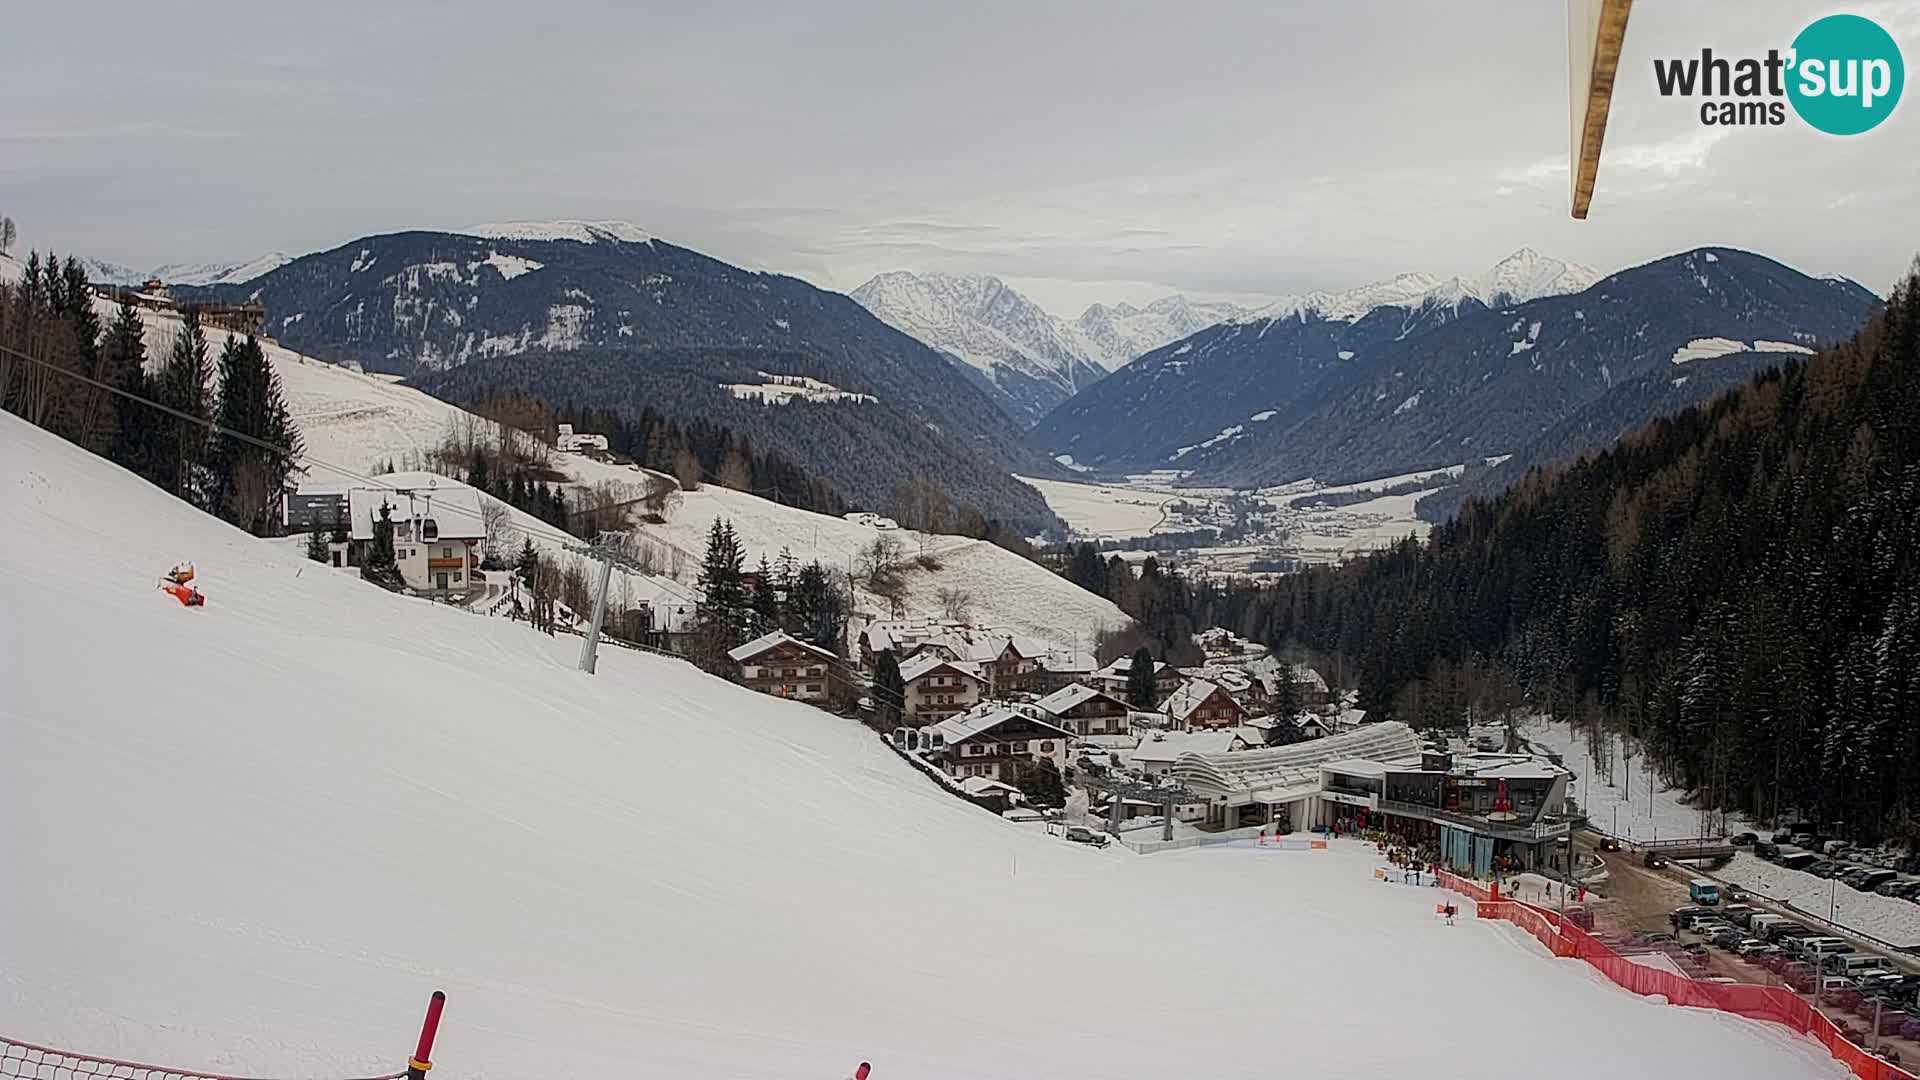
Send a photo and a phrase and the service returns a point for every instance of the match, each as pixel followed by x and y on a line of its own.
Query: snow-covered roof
pixel 1285 768
pixel 1123 667
pixel 969 724
pixel 743 653
pixel 1108 742
pixel 1074 694
pixel 1170 746
pixel 453 507
pixel 1251 735
pixel 980 785
pixel 1508 767
pixel 1192 694
pixel 1357 767
pixel 926 663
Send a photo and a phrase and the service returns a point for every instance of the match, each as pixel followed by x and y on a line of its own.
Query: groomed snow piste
pixel 251 837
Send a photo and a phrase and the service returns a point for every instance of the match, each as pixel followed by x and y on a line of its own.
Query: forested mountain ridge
pixel 632 320
pixel 1738 585
pixel 1425 380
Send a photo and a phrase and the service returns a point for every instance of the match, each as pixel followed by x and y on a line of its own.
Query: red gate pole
pixel 422 1059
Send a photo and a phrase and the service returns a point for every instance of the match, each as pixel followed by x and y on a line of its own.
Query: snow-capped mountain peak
pixel 1522 276
pixel 103 272
pixel 1029 359
pixel 582 232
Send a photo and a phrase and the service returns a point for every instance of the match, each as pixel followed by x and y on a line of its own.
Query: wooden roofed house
pixel 1202 704
pixel 783 666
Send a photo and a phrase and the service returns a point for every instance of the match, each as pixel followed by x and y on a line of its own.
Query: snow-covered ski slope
pixel 1007 592
pixel 251 838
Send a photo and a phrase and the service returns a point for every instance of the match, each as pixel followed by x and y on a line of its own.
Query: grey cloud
pixel 1225 148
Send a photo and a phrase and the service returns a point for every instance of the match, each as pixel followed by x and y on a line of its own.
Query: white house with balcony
pixel 437 529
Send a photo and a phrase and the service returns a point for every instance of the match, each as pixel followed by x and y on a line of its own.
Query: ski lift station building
pixel 1472 808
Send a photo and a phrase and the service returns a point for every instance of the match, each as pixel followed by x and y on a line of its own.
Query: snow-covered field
pixel 277 821
pixel 1007 592
pixel 1894 921
pixel 1103 509
pixel 1644 810
pixel 1318 534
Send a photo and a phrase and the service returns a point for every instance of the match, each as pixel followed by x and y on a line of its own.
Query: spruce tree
pixel 246 479
pixel 1140 687
pixel 889 690
pixel 1286 694
pixel 764 602
pixel 317 546
pixel 724 611
pixel 136 427
pixel 183 386
pixel 379 566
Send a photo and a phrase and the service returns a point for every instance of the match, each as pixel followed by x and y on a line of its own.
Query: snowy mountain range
pixel 606 312
pixel 103 272
pixel 1026 359
pixel 1522 276
pixel 1413 373
pixel 1031 360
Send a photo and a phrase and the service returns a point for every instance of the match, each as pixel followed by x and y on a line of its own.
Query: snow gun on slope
pixel 178 582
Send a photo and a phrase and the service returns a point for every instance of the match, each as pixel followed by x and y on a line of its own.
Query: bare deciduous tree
pixel 955 604
pixel 7 235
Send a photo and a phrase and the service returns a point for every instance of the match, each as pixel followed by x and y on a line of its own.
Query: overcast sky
pixel 1097 151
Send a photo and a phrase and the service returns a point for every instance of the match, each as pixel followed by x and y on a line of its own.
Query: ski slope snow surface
pixel 251 837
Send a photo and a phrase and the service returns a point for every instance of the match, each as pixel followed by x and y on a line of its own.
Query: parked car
pixel 1788 930
pixel 1825 868
pixel 1767 850
pixel 1745 839
pixel 1729 939
pixel 1682 915
pixel 1080 834
pixel 1798 975
pixel 1753 949
pixel 1869 880
pixel 1739 914
pixel 1608 843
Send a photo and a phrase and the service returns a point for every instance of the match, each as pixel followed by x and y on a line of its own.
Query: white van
pixel 1853 964
pixel 1760 924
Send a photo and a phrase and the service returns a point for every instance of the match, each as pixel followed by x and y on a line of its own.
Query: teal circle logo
pixel 1847 74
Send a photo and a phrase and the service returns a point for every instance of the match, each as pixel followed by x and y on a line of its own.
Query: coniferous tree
pixel 724 611
pixel 1040 781
pixel 889 691
pixel 764 601
pixel 246 479
pixel 1140 687
pixel 1286 694
pixel 380 566
pixel 183 385
pixel 317 546
pixel 137 427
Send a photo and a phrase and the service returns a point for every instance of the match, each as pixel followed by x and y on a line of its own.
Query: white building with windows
pixel 437 529
pixel 938 687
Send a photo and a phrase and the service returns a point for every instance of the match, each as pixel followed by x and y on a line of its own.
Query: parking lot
pixel 1637 915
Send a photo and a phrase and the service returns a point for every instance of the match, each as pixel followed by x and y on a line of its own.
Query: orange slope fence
pixel 29 1061
pixel 1770 1003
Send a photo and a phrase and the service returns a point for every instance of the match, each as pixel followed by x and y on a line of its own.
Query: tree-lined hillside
pixel 1737 585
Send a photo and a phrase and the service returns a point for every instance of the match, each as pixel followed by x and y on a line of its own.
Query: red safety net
pixel 1771 1003
pixel 29 1062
